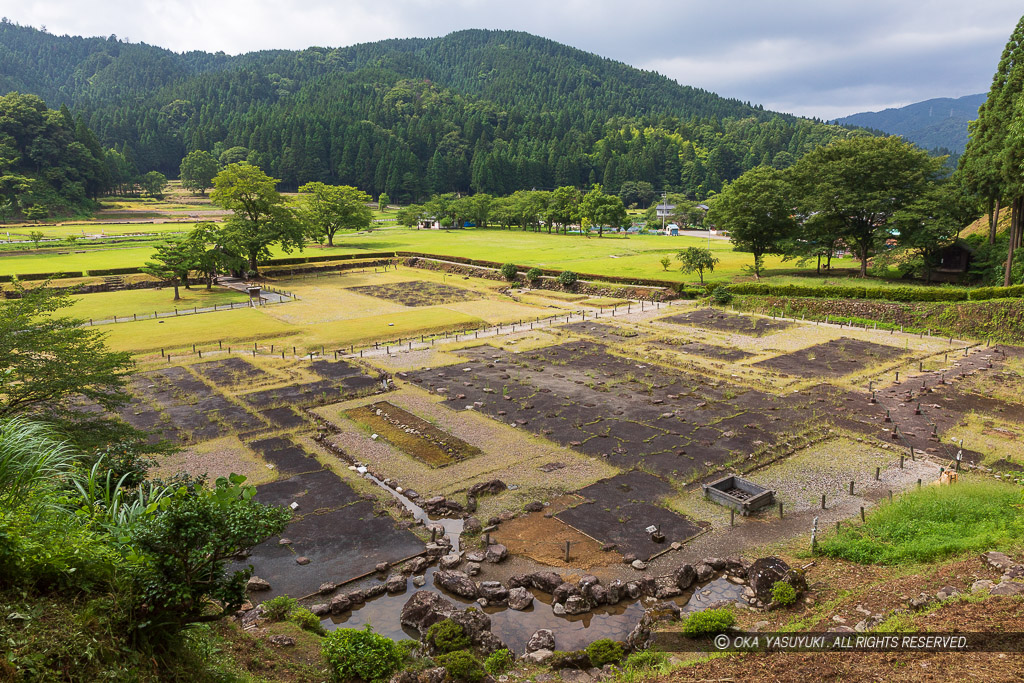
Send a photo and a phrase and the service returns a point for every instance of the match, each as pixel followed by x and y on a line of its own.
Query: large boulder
pixel 998 561
pixel 255 583
pixel 457 583
pixel 543 639
pixel 492 591
pixel 704 572
pixel 416 565
pixel 684 576
pixel 395 584
pixel 495 553
pixel 519 598
pixel 544 581
pixel 764 573
pixel 564 591
pixel 449 561
pixel 472 525
pixel 577 604
pixel 665 587
pixel 599 594
pixel 616 590
pixel 340 604
pixel 424 609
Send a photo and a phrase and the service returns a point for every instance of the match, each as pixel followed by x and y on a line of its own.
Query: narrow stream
pixel 515 627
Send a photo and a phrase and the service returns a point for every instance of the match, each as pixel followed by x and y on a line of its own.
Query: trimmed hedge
pixel 853 292
pixel 616 279
pixel 112 271
pixel 47 276
pixel 983 293
pixel 294 260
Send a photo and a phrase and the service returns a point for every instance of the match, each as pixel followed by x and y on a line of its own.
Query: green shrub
pixel 447 636
pixel 783 593
pixel 509 271
pixel 462 666
pixel 708 622
pixel 307 621
pixel 721 296
pixel 644 660
pixel 533 275
pixel 604 651
pixel 360 653
pixel 498 662
pixel 567 279
pixel 932 523
pixel 278 609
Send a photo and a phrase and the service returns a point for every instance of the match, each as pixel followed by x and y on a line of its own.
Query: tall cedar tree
pixel 992 163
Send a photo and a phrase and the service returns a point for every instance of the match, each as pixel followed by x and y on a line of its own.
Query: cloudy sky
pixel 816 58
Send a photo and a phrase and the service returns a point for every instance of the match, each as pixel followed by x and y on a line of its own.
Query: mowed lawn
pixel 105 305
pixel 238 328
pixel 636 256
pixel 232 327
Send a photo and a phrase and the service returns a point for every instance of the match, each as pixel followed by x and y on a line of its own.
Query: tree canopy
pixel 261 215
pixel 326 209
pixel 757 211
pixel 47 358
pixel 197 170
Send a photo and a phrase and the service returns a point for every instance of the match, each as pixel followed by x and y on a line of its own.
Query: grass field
pixel 237 326
pixel 637 256
pixel 88 230
pixel 934 523
pixel 103 305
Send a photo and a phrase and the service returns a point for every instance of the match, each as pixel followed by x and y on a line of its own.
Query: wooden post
pixel 780 509
pixel 901 462
pixel 567 544
pixel 823 501
pixel 862 514
pixel 878 472
pixel 732 517
pixel 851 487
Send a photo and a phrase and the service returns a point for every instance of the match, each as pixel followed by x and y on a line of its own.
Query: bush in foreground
pixel 447 636
pixel 360 653
pixel 462 666
pixel 708 622
pixel 604 651
pixel 498 662
pixel 533 275
pixel 933 523
pixel 783 593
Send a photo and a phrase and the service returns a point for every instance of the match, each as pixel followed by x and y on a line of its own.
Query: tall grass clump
pixel 933 523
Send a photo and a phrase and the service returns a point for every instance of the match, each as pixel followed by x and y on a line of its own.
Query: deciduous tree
pixel 46 357
pixel 697 260
pixel 197 171
pixel 859 184
pixel 757 210
pixel 261 216
pixel 326 209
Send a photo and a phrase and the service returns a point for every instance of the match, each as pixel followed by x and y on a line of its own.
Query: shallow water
pixel 515 627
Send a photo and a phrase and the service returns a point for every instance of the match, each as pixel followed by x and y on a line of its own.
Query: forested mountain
pixel 933 124
pixel 487 111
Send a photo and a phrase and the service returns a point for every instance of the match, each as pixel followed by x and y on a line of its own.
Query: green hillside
pixel 481 111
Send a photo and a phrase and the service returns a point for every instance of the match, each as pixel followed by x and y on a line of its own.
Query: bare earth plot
pixel 711 319
pixel 619 511
pixel 626 412
pixel 832 359
pixel 418 293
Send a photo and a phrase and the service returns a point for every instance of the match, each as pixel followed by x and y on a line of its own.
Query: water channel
pixel 515 627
